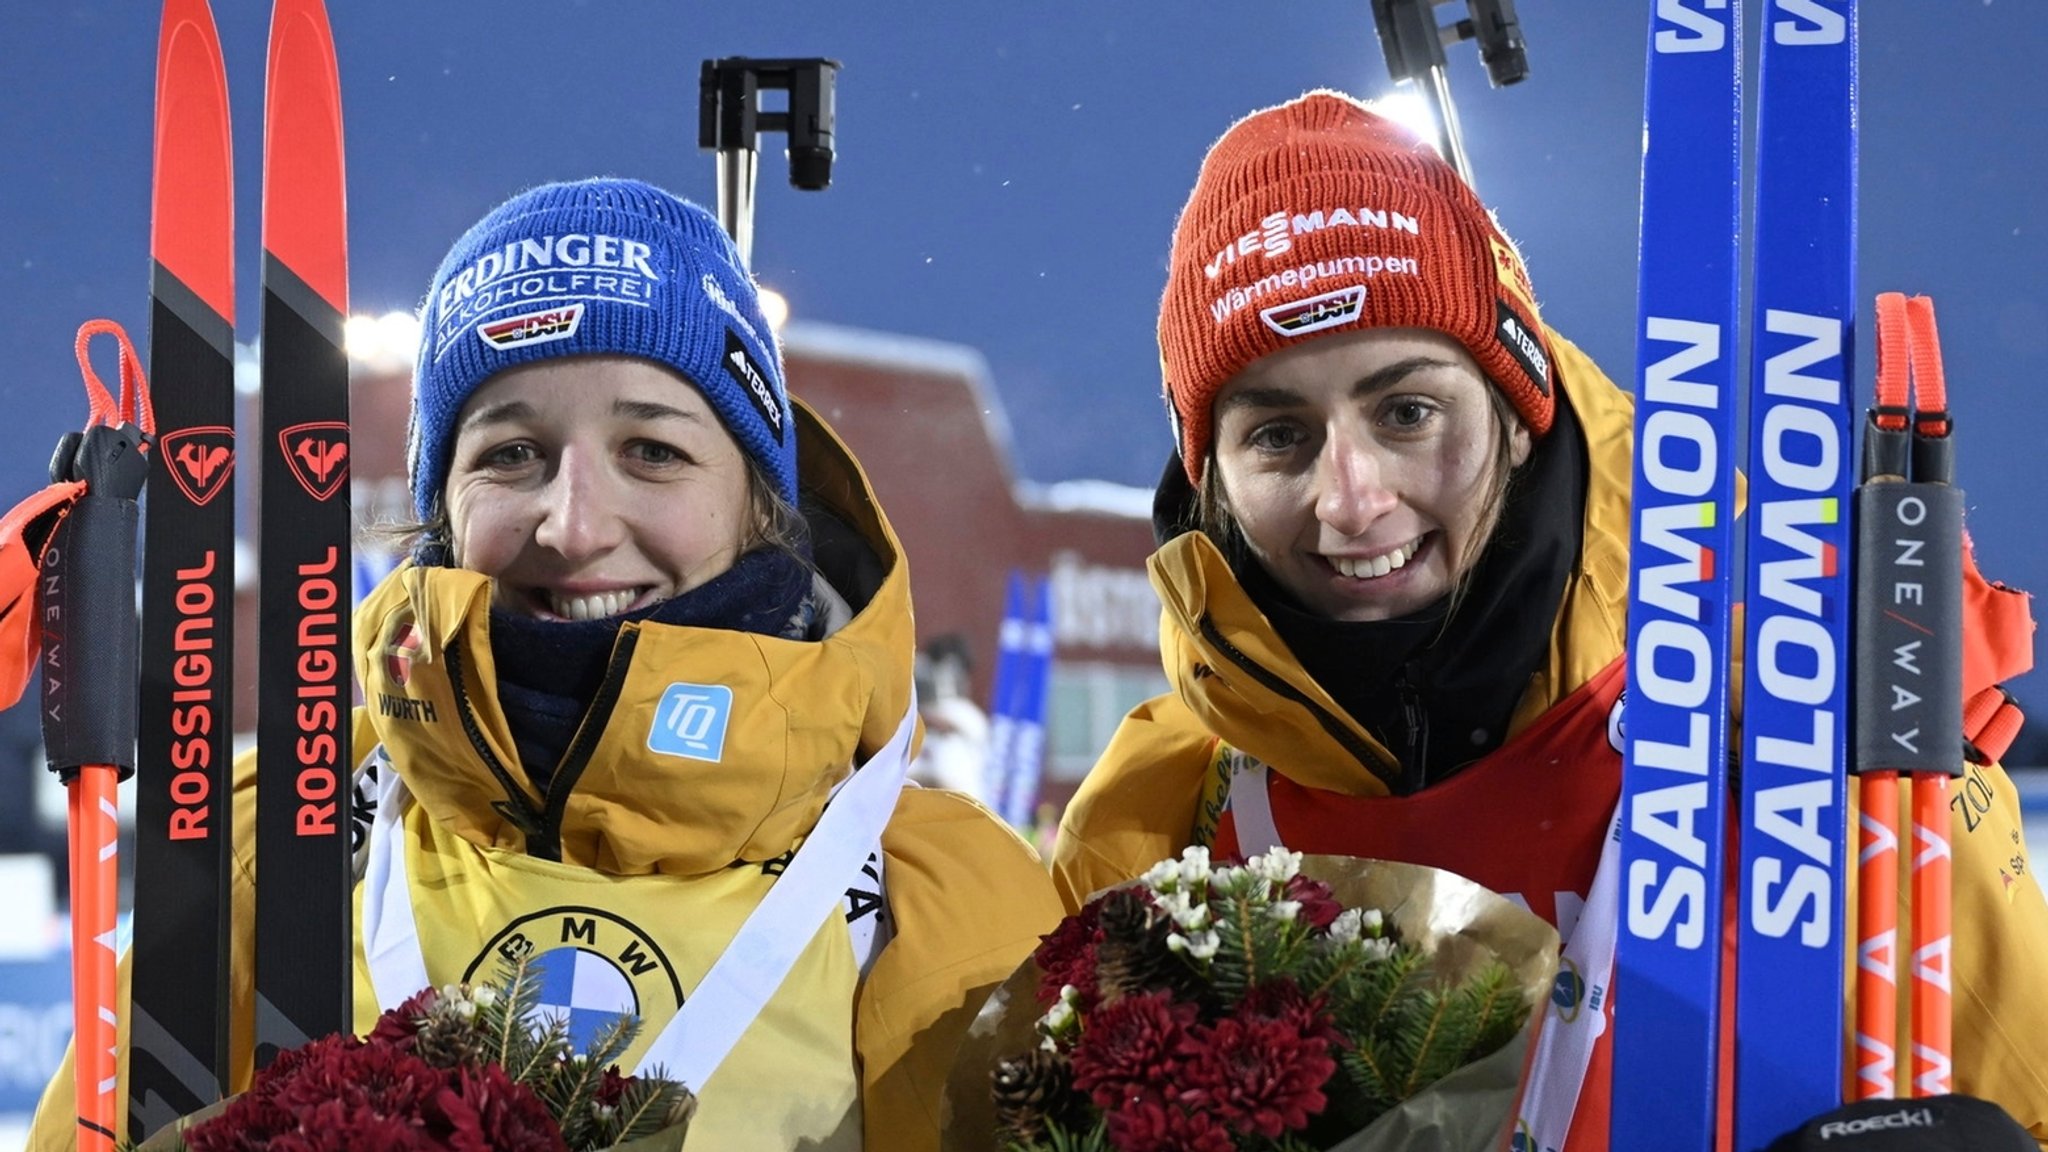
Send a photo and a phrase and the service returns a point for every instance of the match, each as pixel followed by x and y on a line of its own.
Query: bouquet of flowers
pixel 1279 1006
pixel 460 1069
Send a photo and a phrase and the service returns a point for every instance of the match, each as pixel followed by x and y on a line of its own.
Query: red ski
pixel 178 1048
pixel 303 940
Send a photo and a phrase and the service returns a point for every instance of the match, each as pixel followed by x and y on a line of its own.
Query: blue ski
pixel 1681 548
pixel 1788 1002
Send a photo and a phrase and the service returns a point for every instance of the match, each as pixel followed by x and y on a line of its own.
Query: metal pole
pixel 1450 139
pixel 738 169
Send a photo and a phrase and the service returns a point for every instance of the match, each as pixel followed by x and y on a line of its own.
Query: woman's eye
pixel 509 456
pixel 1274 437
pixel 1407 413
pixel 654 452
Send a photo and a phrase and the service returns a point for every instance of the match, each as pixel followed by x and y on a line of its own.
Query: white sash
pixel 743 978
pixel 1564 1048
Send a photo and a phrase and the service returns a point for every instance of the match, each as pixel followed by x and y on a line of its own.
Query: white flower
pixel 1163 877
pixel 485 996
pixel 1344 929
pixel 1174 904
pixel 1193 917
pixel 1194 866
pixel 1277 866
pixel 1058 1017
pixel 1203 945
pixel 1377 948
pixel 1240 883
pixel 1284 910
pixel 1374 923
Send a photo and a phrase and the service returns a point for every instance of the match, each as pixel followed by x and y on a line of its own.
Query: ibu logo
pixel 690 721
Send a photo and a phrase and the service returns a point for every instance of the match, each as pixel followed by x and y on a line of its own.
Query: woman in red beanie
pixel 1395 575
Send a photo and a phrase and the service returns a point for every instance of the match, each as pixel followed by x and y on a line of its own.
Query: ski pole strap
pixel 1991 722
pixel 25 533
pixel 91 645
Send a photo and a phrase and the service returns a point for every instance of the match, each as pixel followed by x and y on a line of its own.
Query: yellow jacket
pixel 642 835
pixel 1160 784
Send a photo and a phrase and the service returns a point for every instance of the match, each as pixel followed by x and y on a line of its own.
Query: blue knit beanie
pixel 599 267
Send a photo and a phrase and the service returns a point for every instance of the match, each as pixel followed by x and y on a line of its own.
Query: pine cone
pixel 1133 957
pixel 1032 1092
pixel 444 1041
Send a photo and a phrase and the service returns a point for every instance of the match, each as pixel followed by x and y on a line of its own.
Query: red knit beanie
pixel 1319 216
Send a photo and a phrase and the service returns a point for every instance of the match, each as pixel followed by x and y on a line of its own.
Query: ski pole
pixel 89 664
pixel 1933 859
pixel 1908 694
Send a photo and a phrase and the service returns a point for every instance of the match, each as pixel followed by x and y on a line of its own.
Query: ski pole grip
pixel 1909 623
pixel 91 637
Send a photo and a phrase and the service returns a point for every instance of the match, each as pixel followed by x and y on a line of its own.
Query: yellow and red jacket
pixel 661 857
pixel 1528 818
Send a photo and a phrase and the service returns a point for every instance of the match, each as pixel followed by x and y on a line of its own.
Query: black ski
pixel 178 1049
pixel 303 937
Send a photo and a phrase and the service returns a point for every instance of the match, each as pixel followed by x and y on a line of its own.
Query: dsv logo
pixel 690 721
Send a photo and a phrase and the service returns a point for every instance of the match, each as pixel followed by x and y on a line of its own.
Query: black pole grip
pixel 1909 628
pixel 91 636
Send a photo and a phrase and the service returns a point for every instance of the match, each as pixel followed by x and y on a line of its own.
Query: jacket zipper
pixel 543 829
pixel 584 745
pixel 1415 771
pixel 1387 774
pixel 514 806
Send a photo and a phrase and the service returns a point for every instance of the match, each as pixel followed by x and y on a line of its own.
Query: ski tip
pixel 305 202
pixel 192 209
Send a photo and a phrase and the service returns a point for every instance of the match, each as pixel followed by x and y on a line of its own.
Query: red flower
pixel 1067 956
pixel 611 1088
pixel 400 1026
pixel 1129 1048
pixel 486 1111
pixel 1318 906
pixel 1262 1068
pixel 335 1093
pixel 1151 1125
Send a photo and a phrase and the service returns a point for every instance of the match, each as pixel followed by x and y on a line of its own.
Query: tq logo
pixel 201 460
pixel 318 455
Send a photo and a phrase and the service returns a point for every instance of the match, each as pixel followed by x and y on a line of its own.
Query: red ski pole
pixel 90 645
pixel 1909 696
pixel 1933 1014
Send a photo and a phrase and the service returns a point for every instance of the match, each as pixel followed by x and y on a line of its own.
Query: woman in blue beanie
pixel 632 659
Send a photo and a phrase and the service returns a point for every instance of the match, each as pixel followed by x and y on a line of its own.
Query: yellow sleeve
pixel 2001 940
pixel 970 900
pixel 1142 802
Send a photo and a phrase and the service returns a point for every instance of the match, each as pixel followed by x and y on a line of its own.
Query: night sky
pixel 1008 178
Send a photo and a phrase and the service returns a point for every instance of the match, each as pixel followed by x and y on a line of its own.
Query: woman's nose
pixel 1352 487
pixel 577 517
